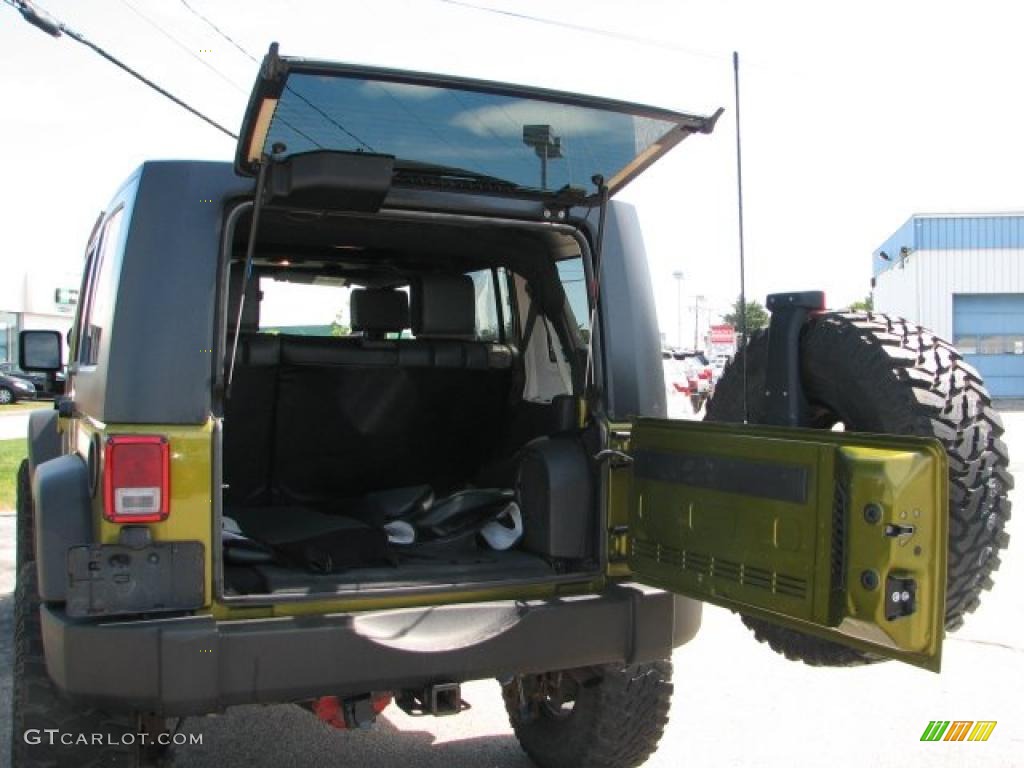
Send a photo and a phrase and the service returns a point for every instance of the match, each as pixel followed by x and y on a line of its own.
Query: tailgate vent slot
pixel 726 570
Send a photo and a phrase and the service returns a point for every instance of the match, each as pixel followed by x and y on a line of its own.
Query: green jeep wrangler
pixel 379 410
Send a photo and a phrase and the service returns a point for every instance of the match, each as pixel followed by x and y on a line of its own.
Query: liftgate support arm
pixel 784 395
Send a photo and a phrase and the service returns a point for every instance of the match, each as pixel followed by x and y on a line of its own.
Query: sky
pixel 854 115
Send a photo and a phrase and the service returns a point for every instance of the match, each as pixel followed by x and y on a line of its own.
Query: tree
pixel 757 316
pixel 867 304
pixel 338 328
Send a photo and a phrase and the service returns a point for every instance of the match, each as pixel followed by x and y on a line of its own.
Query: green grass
pixel 11 454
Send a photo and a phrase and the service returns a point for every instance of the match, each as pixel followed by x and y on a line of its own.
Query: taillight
pixel 704 374
pixel 136 479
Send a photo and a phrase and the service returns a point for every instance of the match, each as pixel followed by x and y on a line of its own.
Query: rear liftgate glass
pixel 839 535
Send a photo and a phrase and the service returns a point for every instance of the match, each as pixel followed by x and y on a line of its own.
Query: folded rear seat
pixel 357 415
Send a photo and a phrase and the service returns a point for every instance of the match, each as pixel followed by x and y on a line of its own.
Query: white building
pixel 962 276
pixel 35 300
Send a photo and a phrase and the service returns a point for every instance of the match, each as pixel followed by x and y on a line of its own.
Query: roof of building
pixel 950 231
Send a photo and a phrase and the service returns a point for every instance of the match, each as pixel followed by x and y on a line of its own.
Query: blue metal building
pixel 962 275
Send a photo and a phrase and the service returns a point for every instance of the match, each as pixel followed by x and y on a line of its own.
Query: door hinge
pixel 618 543
pixel 616 459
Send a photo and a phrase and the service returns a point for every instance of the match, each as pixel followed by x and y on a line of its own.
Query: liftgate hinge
pixel 616 459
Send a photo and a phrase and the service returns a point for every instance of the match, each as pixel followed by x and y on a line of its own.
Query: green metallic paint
pixel 798 563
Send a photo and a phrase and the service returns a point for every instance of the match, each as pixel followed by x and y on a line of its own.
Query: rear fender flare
pixel 63 519
pixel 43 438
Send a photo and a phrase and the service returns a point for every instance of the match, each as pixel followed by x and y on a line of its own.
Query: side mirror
pixel 41 351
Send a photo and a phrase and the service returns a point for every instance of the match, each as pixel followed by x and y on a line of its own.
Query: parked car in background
pixel 676 379
pixel 41 381
pixel 15 388
pixel 718 363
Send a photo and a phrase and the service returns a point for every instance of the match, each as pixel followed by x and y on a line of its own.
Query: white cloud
pixel 375 89
pixel 509 119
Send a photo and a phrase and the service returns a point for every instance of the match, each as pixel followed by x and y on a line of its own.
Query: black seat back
pixel 318 419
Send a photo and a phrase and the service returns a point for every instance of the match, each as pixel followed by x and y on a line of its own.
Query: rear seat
pixel 316 419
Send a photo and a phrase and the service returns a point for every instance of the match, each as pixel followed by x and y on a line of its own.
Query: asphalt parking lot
pixel 736 702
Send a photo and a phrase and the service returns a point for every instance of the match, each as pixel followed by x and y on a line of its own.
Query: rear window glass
pixel 323 307
pixel 574 282
pixel 97 308
pixel 531 143
pixel 304 309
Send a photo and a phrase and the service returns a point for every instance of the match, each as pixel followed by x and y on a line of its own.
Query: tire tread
pixel 919 385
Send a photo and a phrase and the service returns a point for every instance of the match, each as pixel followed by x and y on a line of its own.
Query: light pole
pixel 545 144
pixel 679 306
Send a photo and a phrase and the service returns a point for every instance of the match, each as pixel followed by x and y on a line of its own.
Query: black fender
pixel 63 519
pixel 43 438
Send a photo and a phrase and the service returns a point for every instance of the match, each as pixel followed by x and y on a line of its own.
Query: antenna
pixel 739 197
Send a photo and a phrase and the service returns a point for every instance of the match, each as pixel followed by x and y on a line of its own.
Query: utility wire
pixel 190 51
pixel 591 30
pixel 288 88
pixel 219 31
pixel 39 17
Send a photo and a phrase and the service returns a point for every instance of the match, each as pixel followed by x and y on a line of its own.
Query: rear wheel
pixel 6 396
pixel 23 522
pixel 41 718
pixel 868 372
pixel 612 717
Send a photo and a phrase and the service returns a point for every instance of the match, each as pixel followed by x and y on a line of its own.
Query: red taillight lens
pixel 136 479
pixel 705 374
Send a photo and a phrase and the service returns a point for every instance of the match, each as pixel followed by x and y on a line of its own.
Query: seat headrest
pixel 379 310
pixel 444 306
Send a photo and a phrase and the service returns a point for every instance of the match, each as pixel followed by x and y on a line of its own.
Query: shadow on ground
pixel 240 738
pixel 6 662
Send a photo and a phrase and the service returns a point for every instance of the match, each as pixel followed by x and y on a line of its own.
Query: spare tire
pixel 873 373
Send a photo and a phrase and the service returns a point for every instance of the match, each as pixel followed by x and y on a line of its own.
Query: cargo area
pixel 400 405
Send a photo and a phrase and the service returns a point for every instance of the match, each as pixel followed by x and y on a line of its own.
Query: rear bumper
pixel 195 665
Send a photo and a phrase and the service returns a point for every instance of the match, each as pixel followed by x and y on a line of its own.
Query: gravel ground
pixel 736 702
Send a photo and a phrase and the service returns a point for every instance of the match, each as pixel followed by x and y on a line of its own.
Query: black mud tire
pixel 617 720
pixel 876 373
pixel 37 704
pixel 24 545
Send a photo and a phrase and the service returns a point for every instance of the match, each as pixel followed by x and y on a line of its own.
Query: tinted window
pixel 505 290
pixel 304 309
pixel 486 305
pixel 527 142
pixel 97 307
pixel 991 344
pixel 322 307
pixel 574 282
pixel 8 334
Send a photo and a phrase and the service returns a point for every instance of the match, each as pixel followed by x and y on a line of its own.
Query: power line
pixel 219 31
pixel 591 30
pixel 288 88
pixel 54 27
pixel 191 52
